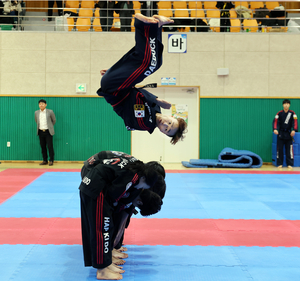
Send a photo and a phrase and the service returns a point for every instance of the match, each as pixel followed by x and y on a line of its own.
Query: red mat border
pixel 214 232
pixel 14 180
pixel 166 232
pixel 43 170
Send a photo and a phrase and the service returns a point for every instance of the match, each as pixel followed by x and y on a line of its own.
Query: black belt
pixel 43 130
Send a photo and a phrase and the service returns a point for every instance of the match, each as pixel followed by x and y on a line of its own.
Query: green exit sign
pixel 81 88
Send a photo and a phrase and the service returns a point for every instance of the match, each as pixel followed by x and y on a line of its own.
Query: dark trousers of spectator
pixel 225 25
pixel 7 19
pixel 50 8
pixel 289 153
pixel 183 22
pixel 106 18
pixel 46 140
pixel 153 8
pixel 199 25
pixel 125 18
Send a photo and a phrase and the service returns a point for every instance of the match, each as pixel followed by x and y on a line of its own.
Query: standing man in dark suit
pixel 45 120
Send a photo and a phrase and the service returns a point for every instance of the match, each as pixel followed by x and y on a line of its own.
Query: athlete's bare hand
pixel 164 104
pixel 275 132
pixel 293 133
pixel 103 71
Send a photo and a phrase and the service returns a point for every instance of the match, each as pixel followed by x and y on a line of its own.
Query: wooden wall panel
pixel 291 5
pixel 38 6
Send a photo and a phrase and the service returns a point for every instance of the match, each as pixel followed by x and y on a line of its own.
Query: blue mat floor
pixel 160 263
pixel 202 196
pixel 212 196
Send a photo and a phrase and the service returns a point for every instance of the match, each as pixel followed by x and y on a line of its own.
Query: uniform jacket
pixel 51 120
pixel 104 172
pixel 284 123
pixel 138 109
pixel 136 106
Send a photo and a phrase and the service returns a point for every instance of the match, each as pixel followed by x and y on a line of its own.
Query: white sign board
pixel 80 88
pixel 168 81
pixel 177 43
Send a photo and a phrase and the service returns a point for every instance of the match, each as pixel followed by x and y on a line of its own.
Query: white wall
pixel 156 146
pixel 43 63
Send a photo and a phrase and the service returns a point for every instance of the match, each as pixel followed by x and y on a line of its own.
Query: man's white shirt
pixel 43 120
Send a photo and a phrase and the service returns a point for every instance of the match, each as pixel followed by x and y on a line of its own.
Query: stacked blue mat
pixel 228 158
pixel 296 149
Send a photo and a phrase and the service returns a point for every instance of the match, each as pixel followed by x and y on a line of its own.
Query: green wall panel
pixel 88 125
pixel 240 124
pixel 84 127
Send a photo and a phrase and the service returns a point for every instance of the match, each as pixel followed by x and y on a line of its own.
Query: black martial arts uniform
pixel 136 106
pixel 106 188
pixel 284 123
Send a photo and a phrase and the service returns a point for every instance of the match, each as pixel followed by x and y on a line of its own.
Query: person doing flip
pixel 140 109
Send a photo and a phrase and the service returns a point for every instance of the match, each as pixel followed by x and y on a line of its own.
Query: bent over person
pixel 111 181
pixel 140 109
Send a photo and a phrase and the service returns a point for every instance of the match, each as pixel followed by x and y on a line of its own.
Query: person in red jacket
pixel 285 125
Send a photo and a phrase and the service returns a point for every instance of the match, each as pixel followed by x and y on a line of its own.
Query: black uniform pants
pixel 46 140
pixel 118 220
pixel 140 62
pixel 97 231
pixel 50 7
pixel 289 153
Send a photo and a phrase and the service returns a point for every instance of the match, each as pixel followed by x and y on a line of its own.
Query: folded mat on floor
pixel 228 158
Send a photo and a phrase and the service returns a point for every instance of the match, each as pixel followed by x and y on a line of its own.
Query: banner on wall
pixel 168 81
pixel 180 111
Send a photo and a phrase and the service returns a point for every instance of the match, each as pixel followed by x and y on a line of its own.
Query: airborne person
pixel 140 109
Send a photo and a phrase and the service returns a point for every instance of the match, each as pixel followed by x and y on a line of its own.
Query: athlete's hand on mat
pixel 102 72
pixel 292 133
pixel 275 132
pixel 164 104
